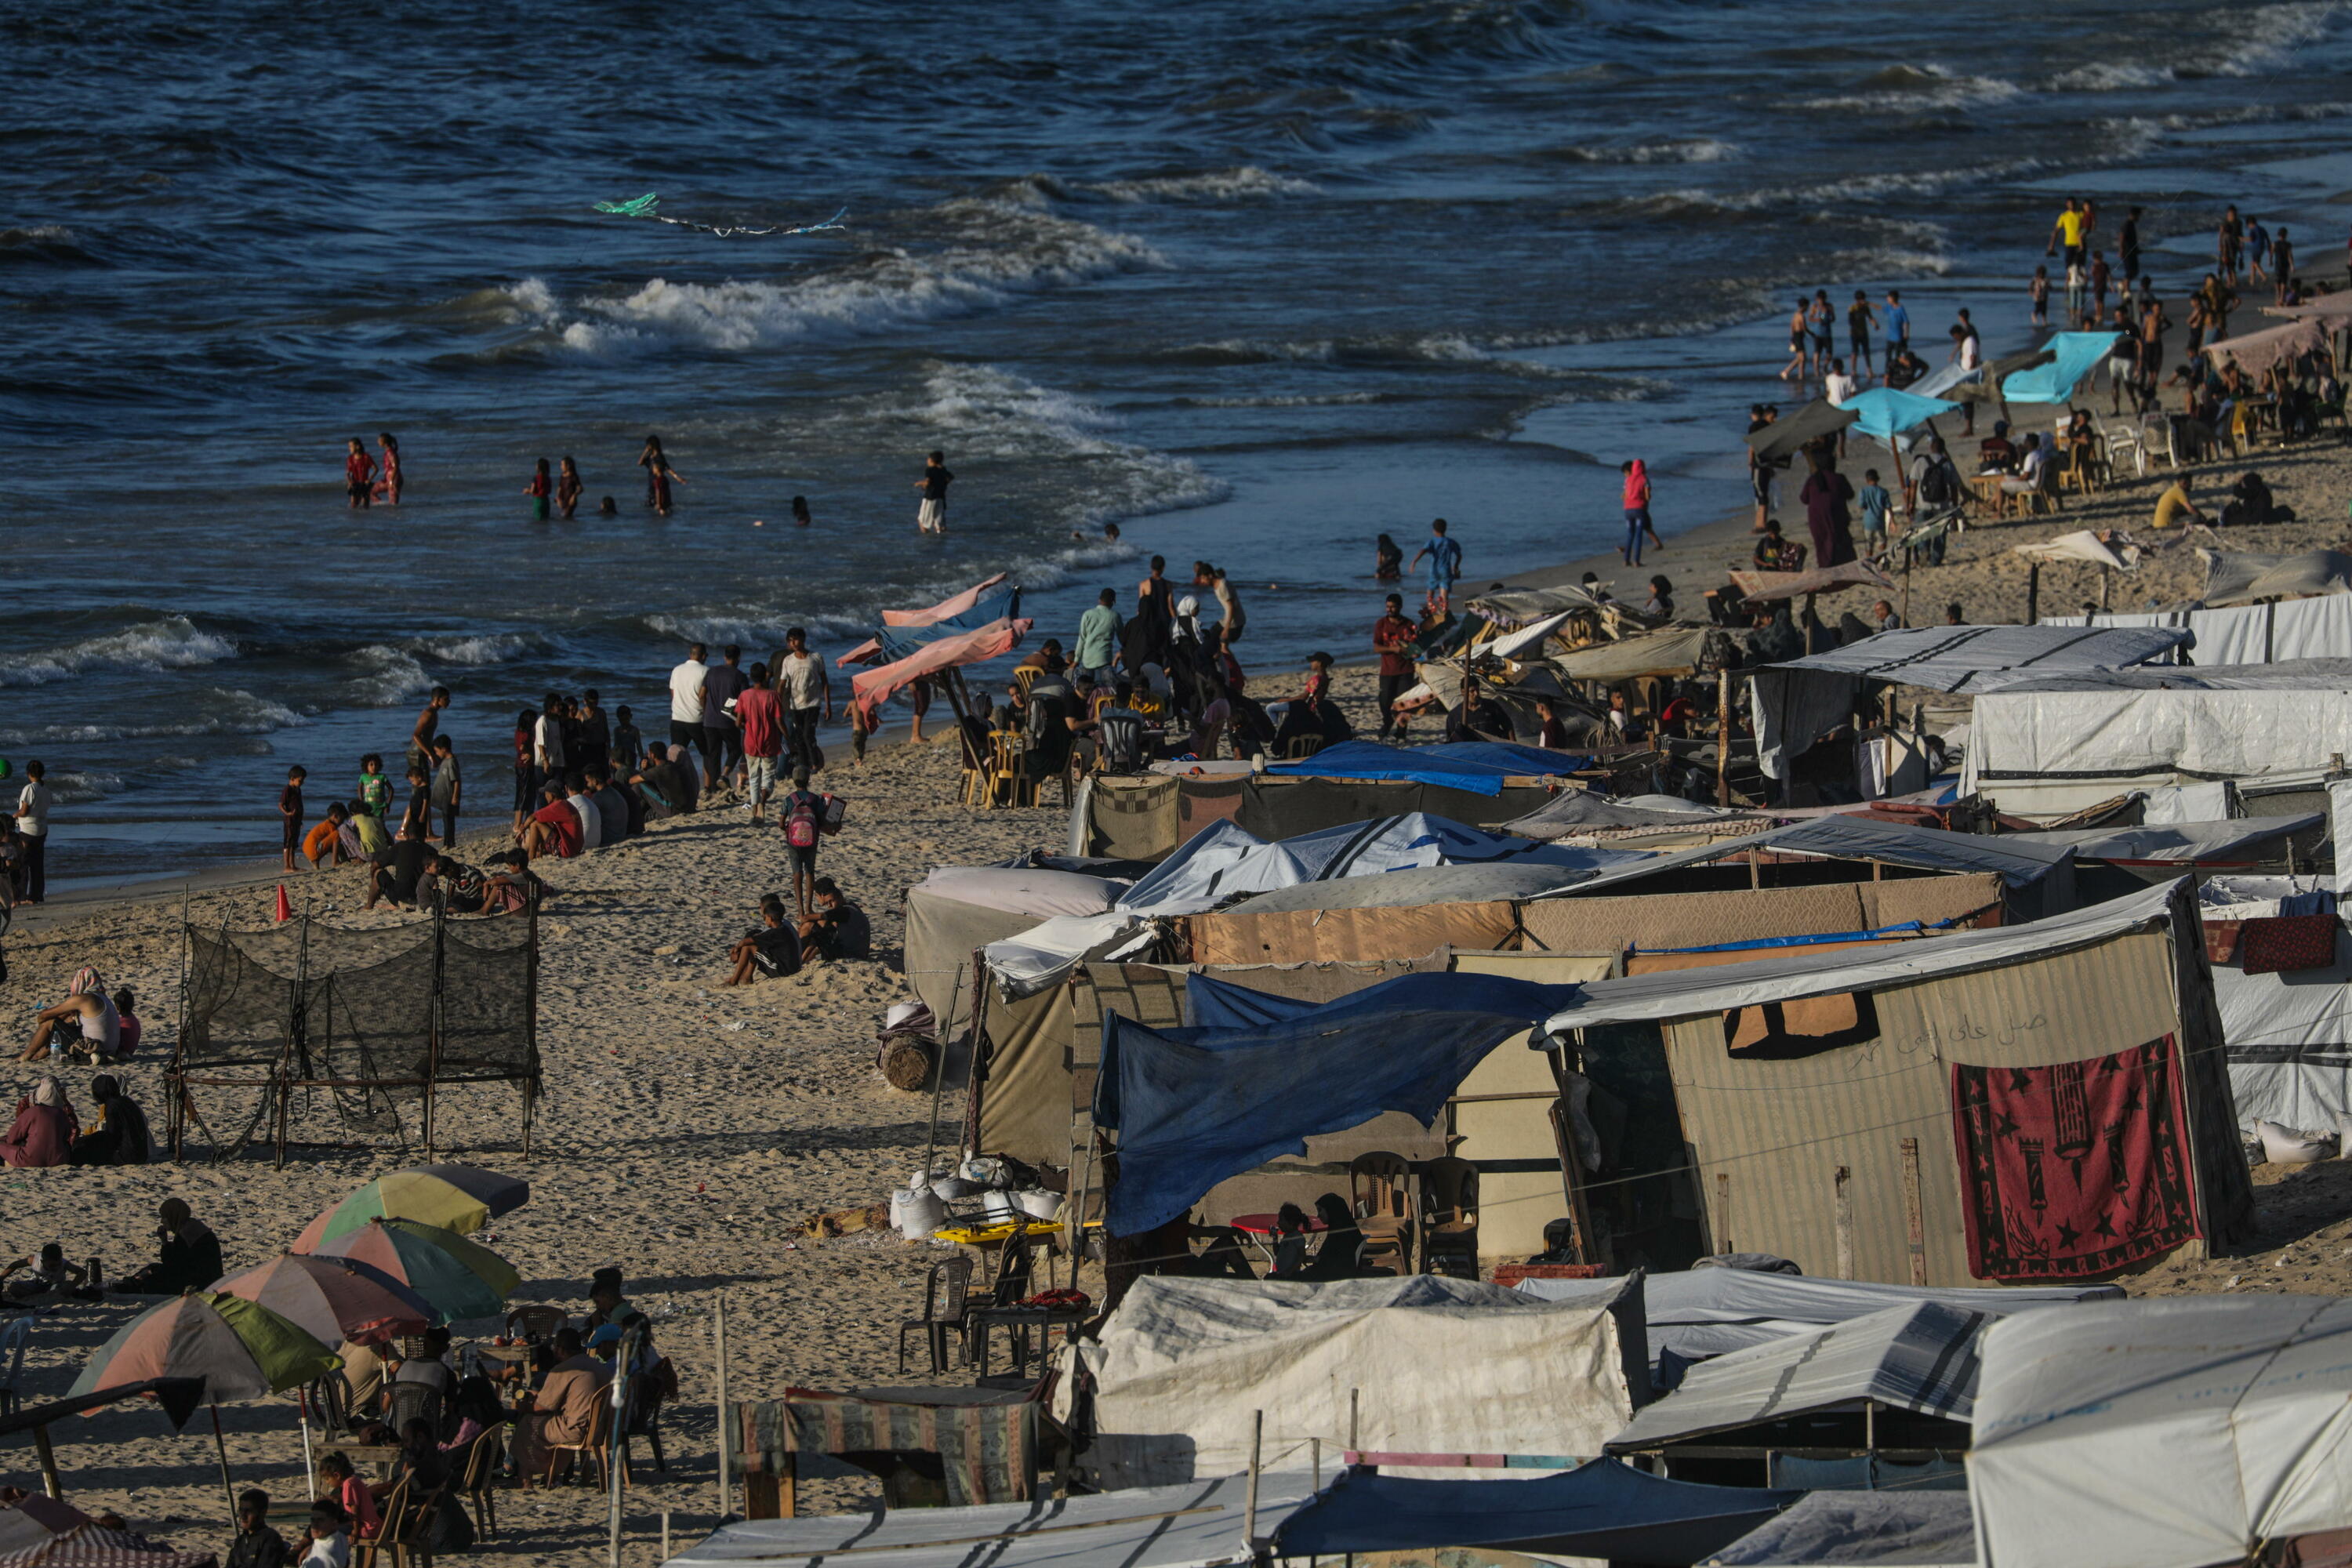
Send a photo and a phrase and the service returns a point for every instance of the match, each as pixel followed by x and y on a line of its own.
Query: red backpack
pixel 801 821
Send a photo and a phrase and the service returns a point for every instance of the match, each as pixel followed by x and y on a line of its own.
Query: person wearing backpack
pixel 1935 485
pixel 803 814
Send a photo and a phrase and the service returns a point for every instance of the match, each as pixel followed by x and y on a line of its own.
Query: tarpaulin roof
pixel 1511 645
pixel 1803 971
pixel 1861 1529
pixel 1574 811
pixel 1144 1527
pixel 1886 412
pixel 43 1533
pixel 1956 659
pixel 1786 434
pixel 2075 357
pixel 1193 1106
pixel 951 608
pixel 1701 1312
pixel 1419 886
pixel 2234 577
pixel 1480 766
pixel 1525 606
pixel 2322 307
pixel 1601 1509
pixel 2257 351
pixel 1845 836
pixel 870 689
pixel 2081 545
pixel 2238 839
pixel 1921 1356
pixel 2286 675
pixel 1767 585
pixel 2171 1433
pixel 1674 650
pixel 1025 889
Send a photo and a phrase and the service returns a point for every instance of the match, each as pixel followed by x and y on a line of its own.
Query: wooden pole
pixel 2106 581
pixel 1723 737
pixel 1905 614
pixel 220 1448
pixel 49 1457
pixel 2034 595
pixel 726 1488
pixel 1249 1506
pixel 664 1535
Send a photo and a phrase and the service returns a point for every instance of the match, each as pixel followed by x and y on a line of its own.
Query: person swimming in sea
pixel 1388 561
pixel 539 489
pixel 800 518
pixel 568 487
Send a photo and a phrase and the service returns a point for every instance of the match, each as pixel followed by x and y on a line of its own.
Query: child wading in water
pixel 387 485
pixel 2039 292
pixel 358 475
pixel 568 486
pixel 659 475
pixel 539 490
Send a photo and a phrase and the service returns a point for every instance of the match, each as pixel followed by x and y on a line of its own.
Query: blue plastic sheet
pixel 1477 765
pixel 1196 1105
pixel 2078 353
pixel 1885 412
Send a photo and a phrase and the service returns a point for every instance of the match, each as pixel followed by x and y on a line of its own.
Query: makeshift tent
pixel 2336 307
pixel 1193 1106
pixel 1188 1526
pixel 2239 841
pixel 1480 766
pixel 2075 357
pixel 1515 644
pixel 1850 836
pixel 1786 437
pixel 872 687
pixel 1515 607
pixel 1147 818
pixel 2255 352
pixel 1861 1529
pixel 2290 1040
pixel 1575 812
pixel 1767 586
pixel 2054 744
pixel 1885 412
pixel 953 608
pixel 1695 1313
pixel 1438 1364
pixel 2271 632
pixel 2172 1433
pixel 1603 1509
pixel 1820 1092
pixel 1672 650
pixel 1414 889
pixel 2234 577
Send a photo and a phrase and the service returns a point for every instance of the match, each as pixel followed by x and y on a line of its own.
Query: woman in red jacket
pixel 44 1129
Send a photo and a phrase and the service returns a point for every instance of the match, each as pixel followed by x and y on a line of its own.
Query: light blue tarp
pixel 902 642
pixel 1196 1105
pixel 1477 765
pixel 1885 413
pixel 2078 354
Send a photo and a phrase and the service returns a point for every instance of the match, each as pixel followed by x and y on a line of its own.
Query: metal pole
pixel 664 1535
pixel 1249 1508
pixel 49 1457
pixel 940 1076
pixel 1723 737
pixel 725 1486
pixel 617 1445
pixel 220 1448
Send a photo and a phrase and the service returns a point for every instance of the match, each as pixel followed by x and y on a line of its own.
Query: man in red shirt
pixel 554 828
pixel 1392 635
pixel 761 719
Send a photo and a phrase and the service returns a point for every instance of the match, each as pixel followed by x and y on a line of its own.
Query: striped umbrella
pixel 460 1278
pixel 332 1299
pixel 240 1350
pixel 463 1198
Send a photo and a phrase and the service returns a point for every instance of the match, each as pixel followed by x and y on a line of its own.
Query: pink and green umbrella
pixel 463 1198
pixel 332 1299
pixel 461 1279
pixel 240 1350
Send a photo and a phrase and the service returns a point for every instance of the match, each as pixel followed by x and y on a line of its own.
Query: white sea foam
pixel 497 648
pixel 1908 90
pixel 1299 400
pixel 171 643
pixel 1684 149
pixel 2268 36
pixel 2110 76
pixel 385 675
pixel 1226 185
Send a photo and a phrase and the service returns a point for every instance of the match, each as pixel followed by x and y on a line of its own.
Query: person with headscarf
pixel 86 1018
pixel 187 1255
pixel 119 1137
pixel 44 1127
pixel 1388 560
pixel 1780 641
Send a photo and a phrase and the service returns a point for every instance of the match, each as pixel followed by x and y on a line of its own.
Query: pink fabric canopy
pixel 875 687
pixel 1816 580
pixel 954 604
pixel 2257 351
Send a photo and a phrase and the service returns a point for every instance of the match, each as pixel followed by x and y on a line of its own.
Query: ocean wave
pixel 2268 36
pixel 497 647
pixel 240 713
pixel 2109 76
pixel 1911 89
pixel 1226 185
pixel 385 675
pixel 1680 150
pixel 1297 400
pixel 1246 350
pixel 756 629
pixel 49 243
pixel 173 642
pixel 75 787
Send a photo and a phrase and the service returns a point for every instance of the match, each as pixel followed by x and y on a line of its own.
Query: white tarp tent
pixel 1921 1356
pixel 2172 1433
pixel 1189 1526
pixel 1861 1529
pixel 2275 632
pixel 2239 839
pixel 1441 1365
pixel 2289 1042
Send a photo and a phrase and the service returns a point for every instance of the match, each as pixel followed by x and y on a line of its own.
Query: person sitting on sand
pixel 834 928
pixel 119 1136
pixel 554 828
pixel 328 1539
pixel 188 1255
pixel 47 1279
pixel 323 845
pixel 45 1127
pixel 84 1019
pixel 1337 1257
pixel 775 950
pixel 2252 505
pixel 2174 508
pixel 1776 552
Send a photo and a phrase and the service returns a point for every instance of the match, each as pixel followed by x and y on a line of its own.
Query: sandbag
pixel 2290 1146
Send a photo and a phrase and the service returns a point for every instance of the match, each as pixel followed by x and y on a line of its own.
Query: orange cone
pixel 284 909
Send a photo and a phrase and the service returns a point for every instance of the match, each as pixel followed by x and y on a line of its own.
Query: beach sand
pixel 688 1129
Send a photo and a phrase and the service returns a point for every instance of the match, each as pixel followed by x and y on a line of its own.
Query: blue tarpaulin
pixel 901 642
pixel 1480 766
pixel 1196 1105
pixel 1885 412
pixel 1605 1508
pixel 2078 354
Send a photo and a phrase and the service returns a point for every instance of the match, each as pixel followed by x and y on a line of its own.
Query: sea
pixel 1257 283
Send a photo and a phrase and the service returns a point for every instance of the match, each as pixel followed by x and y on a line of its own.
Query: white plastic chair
pixel 2121 440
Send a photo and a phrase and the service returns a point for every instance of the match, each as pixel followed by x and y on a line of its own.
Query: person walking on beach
pixel 931 516
pixel 802 685
pixel 1097 644
pixel 2127 246
pixel 685 697
pixel 1637 511
pixel 541 488
pixel 1820 324
pixel 1800 348
pixel 1392 639
pixel 1155 615
pixel 1445 564
pixel 33 803
pixel 2282 267
pixel 429 723
pixel 1859 322
pixel 1828 495
pixel 358 475
pixel 2066 235
pixel 289 808
pixel 387 484
pixel 1898 324
pixel 448 788
pixel 2230 244
pixel 659 475
pixel 568 487
pixel 722 741
pixel 761 718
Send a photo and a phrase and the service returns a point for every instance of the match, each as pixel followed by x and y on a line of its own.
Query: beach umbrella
pixel 240 1350
pixel 332 1299
pixel 1784 437
pixel 459 1277
pixel 463 1198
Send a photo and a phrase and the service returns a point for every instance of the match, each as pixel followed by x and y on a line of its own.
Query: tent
pixel 2234 577
pixel 1695 1313
pixel 2271 632
pixel 2238 841
pixel 2172 1433
pixel 1188 1526
pixel 1477 765
pixel 1849 836
pixel 1575 812
pixel 1438 1364
pixel 1861 1529
pixel 1515 607
pixel 2290 1040
pixel 1885 412
pixel 1866 1112
pixel 2075 357
pixel 1603 1511
pixel 2255 352
pixel 43 1532
pixel 1416 889
pixel 1783 438
pixel 1767 586
pixel 2336 307
pixel 1671 650
pixel 870 689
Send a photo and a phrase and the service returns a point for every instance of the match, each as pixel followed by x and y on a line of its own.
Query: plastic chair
pixel 537 1323
pixel 2117 441
pixel 1009 782
pixel 945 1292
pixel 1380 1184
pixel 591 1449
pixel 13 1340
pixel 1118 743
pixel 972 738
pixel 406 1402
pixel 481 1468
pixel 1449 1218
pixel 391 1514
pixel 643 1420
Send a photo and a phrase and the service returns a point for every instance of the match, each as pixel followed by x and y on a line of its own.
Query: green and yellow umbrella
pixel 463 1198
